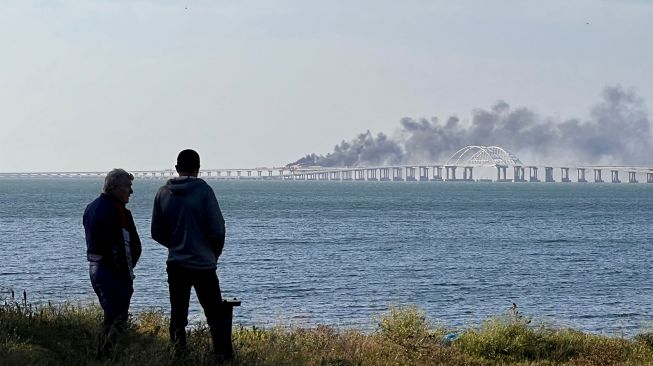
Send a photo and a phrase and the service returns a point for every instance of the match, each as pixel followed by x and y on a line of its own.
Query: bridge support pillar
pixel 346 175
pixel 371 175
pixel 532 174
pixel 518 175
pixel 437 173
pixel 410 174
pixel 632 177
pixel 450 172
pixel 259 173
pixel 396 174
pixel 564 172
pixel 502 173
pixel 581 175
pixel 615 176
pixel 360 174
pixel 597 176
pixel 548 174
pixel 649 177
pixel 384 174
pixel 468 173
pixel 423 173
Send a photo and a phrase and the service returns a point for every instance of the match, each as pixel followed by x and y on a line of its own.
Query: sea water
pixel 343 253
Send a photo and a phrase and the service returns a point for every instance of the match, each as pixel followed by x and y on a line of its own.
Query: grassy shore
pixel 65 335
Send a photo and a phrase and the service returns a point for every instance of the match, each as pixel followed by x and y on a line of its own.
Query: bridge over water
pixel 459 168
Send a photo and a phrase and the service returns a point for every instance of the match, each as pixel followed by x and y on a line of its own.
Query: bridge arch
pixel 483 156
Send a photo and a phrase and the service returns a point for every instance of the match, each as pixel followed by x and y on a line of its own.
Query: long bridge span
pixel 395 173
pixel 459 168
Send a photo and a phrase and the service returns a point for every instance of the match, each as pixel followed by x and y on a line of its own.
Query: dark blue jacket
pixel 104 236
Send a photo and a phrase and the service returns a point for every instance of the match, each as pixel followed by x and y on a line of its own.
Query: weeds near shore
pixel 65 335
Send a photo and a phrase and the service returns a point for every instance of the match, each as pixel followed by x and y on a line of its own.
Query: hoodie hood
pixel 182 186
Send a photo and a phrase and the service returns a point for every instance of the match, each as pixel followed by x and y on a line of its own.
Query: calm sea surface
pixel 308 253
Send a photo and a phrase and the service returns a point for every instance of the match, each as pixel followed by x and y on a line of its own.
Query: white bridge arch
pixel 483 156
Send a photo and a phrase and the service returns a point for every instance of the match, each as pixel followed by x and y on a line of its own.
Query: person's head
pixel 188 163
pixel 118 184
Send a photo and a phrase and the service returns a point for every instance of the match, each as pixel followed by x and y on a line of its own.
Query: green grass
pixel 65 335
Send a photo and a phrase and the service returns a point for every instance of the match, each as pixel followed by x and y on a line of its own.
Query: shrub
pixel 404 325
pixel 65 334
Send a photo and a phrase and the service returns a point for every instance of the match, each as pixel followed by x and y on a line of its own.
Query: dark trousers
pixel 114 290
pixel 207 288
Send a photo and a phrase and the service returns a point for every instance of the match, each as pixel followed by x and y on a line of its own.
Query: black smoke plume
pixel 617 132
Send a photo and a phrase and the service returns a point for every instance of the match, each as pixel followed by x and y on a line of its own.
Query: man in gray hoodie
pixel 187 220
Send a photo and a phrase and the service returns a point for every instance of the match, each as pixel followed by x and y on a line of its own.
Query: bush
pixel 645 339
pixel 65 335
pixel 405 325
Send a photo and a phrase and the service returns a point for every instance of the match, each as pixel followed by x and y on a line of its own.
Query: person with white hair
pixel 112 249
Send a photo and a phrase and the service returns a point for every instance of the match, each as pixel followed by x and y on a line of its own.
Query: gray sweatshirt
pixel 186 219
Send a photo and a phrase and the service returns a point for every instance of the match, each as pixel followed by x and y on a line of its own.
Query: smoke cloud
pixel 617 132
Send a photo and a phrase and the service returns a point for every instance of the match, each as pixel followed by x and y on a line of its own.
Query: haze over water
pixel 341 253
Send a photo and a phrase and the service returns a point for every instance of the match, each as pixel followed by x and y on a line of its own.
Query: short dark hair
pixel 188 160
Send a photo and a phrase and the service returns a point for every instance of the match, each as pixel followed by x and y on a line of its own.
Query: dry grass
pixel 65 335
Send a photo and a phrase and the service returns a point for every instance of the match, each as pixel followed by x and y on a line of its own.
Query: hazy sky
pixel 93 85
